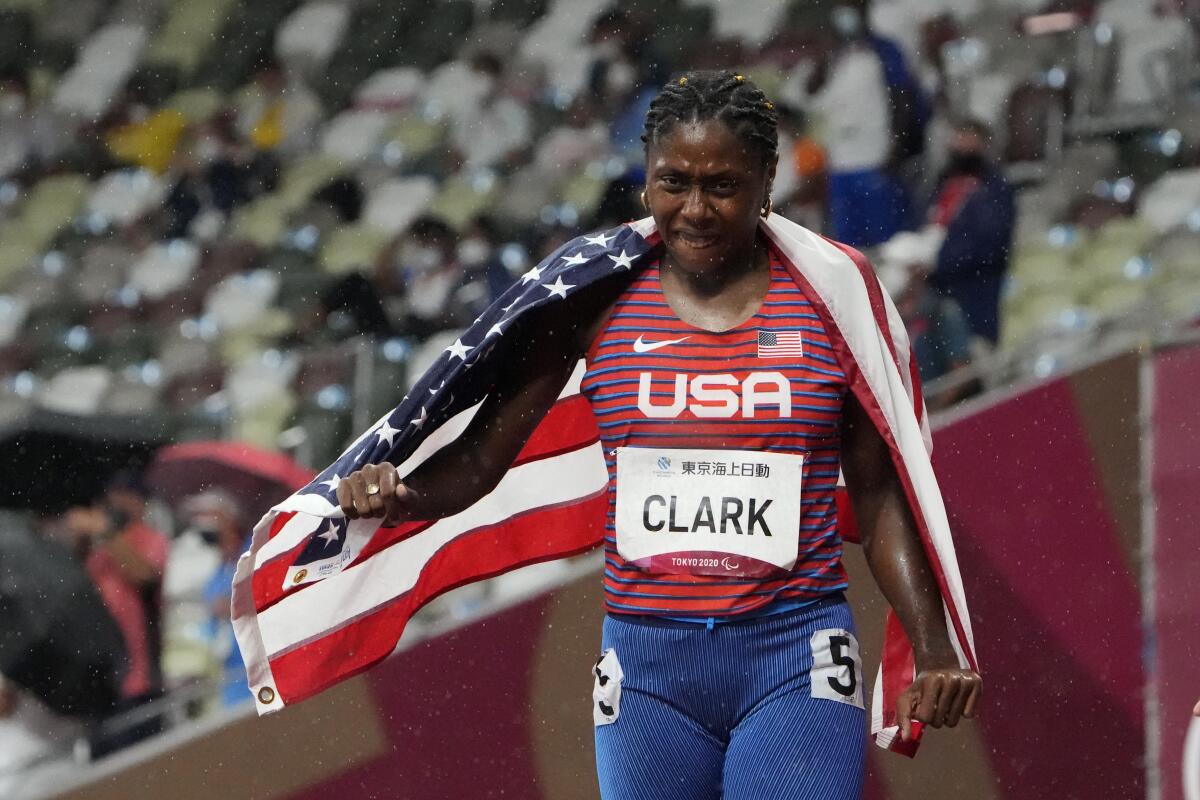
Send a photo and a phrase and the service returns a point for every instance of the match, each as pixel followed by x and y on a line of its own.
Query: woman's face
pixel 706 190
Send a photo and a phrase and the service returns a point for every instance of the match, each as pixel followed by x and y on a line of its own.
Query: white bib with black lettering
pixel 708 512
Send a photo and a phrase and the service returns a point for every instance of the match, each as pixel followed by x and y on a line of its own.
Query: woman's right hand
pixel 374 491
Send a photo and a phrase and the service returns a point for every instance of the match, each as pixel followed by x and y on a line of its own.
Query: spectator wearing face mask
pixel 433 281
pixel 974 204
pixel 480 254
pixel 193 559
pixel 199 579
pixel 849 97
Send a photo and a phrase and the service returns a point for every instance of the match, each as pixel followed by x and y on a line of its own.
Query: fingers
pixel 956 696
pixel 391 492
pixel 354 499
pixel 904 709
pixel 932 685
pixel 941 698
pixel 976 690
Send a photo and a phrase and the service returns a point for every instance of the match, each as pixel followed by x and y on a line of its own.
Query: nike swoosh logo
pixel 645 347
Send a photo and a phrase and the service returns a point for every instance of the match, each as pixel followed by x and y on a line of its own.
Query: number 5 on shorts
pixel 837 668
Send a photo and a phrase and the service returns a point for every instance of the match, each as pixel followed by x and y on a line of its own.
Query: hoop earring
pixel 766 211
pixel 645 201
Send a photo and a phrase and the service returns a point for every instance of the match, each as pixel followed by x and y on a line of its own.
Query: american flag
pixel 319 598
pixel 780 344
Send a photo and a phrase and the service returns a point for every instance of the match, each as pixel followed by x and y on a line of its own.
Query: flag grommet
pixel 266 695
pixel 299 576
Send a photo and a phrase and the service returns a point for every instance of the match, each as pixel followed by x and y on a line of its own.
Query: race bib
pixel 708 512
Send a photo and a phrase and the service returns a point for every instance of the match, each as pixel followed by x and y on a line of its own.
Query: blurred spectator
pixel 849 93
pixel 498 129
pixel 937 331
pixel 344 196
pixel 479 253
pixel 17 139
pixel 125 558
pixel 910 106
pixel 431 288
pixel 208 550
pixel 801 179
pixel 276 112
pixel 187 644
pixel 356 297
pixel 580 138
pixel 61 653
pixel 208 180
pixel 623 76
pixel 974 204
pixel 147 138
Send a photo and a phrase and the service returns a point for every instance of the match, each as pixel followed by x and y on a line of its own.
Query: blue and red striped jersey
pixel 643 337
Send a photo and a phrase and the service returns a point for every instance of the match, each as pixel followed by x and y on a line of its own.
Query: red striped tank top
pixel 785 336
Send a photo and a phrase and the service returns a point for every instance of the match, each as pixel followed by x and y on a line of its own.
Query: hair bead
pixel 727 96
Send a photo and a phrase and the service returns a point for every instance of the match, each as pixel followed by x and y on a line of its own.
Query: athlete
pixel 727 671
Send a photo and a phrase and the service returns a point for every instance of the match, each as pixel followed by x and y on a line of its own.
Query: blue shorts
pixel 769 708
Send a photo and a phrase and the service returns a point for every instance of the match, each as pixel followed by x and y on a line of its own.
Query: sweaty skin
pixel 705 191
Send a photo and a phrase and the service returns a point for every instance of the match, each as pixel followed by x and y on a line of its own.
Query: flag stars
pixel 459 350
pixel 558 287
pixel 386 432
pixel 419 422
pixel 509 307
pixel 333 482
pixel 495 329
pixel 599 239
pixel 623 261
pixel 575 260
pixel 534 274
pixel 330 534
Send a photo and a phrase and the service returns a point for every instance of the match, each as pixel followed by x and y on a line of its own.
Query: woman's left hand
pixel 938 697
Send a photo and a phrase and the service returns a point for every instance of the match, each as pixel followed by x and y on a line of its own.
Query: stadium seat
pixel 1171 200
pixel 392 205
pixel 462 197
pixel 353 135
pixel 196 105
pixel 308 38
pixel 352 247
pixel 99 73
pixel 49 207
pixel 125 195
pixel 188 30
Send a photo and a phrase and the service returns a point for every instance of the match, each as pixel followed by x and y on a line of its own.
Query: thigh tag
pixel 708 512
pixel 836 672
pixel 606 691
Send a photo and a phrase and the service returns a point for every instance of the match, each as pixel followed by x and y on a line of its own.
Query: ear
pixel 770 178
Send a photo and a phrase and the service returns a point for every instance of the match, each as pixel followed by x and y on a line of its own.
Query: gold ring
pixel 372 488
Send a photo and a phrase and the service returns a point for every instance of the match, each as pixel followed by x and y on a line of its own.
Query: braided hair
pixel 722 95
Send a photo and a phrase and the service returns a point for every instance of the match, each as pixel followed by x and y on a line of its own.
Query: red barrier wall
pixel 1175 456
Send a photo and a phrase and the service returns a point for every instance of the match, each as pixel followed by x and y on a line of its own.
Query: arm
pixel 542 352
pixel 942 692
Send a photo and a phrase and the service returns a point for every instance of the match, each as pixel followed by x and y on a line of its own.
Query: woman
pixel 717 390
